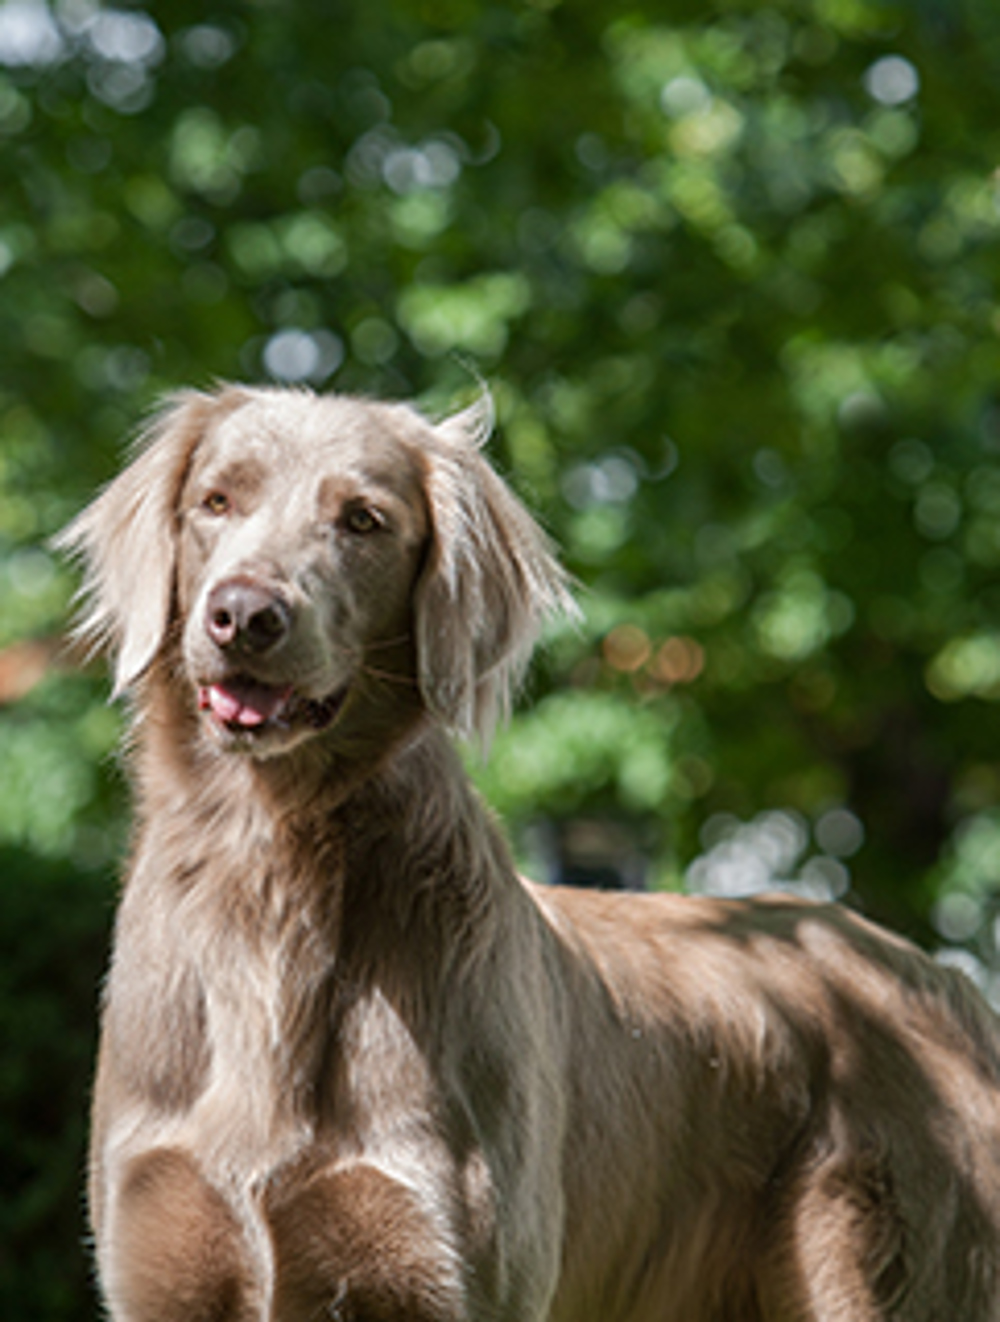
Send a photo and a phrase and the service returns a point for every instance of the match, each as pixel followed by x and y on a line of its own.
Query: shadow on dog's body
pixel 352 1066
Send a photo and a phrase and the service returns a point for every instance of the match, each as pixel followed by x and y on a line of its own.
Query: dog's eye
pixel 361 520
pixel 216 502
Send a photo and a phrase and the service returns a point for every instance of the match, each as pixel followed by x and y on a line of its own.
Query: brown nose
pixel 243 616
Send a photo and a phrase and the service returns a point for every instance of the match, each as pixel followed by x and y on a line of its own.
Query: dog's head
pixel 308 555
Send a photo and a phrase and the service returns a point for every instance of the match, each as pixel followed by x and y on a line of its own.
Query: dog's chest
pixel 302 1048
pixel 267 990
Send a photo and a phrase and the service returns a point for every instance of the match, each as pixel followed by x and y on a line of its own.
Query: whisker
pixel 390 642
pixel 347 650
pixel 389 676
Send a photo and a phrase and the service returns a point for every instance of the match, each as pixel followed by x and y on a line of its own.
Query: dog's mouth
pixel 243 705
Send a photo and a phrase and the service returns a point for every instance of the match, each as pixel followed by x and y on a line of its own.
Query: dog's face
pixel 319 565
pixel 302 524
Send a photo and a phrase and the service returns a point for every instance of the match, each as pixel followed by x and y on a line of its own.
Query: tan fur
pixel 352 1067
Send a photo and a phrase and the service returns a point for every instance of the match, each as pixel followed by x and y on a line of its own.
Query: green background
pixel 730 272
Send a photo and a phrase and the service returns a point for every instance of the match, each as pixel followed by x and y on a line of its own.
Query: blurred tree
pixel 731 274
pixel 53 932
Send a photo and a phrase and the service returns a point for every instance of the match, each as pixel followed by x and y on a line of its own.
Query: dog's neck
pixel 325 819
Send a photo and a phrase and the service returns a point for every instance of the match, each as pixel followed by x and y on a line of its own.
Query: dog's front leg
pixel 174 1251
pixel 352 1244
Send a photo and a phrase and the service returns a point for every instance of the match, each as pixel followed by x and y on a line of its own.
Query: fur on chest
pixel 307 1133
pixel 263 998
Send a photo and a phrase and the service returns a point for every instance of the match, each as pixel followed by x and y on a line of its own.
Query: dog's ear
pixel 490 582
pixel 126 540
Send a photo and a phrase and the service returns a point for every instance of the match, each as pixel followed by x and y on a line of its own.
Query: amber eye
pixel 362 520
pixel 216 502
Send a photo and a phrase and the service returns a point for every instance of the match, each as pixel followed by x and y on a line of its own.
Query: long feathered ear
pixel 490 582
pixel 126 540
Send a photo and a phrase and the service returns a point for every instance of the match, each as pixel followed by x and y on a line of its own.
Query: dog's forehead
pixel 320 438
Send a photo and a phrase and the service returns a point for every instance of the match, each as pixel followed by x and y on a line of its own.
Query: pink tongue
pixel 243 703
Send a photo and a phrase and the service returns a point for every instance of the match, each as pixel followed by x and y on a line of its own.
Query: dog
pixel 352 1066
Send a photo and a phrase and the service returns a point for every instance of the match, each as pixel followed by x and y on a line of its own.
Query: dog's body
pixel 353 1067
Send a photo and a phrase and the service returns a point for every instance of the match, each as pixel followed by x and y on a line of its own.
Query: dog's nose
pixel 244 616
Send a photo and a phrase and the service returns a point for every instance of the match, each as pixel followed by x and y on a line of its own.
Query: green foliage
pixel 575 751
pixel 730 271
pixel 53 929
